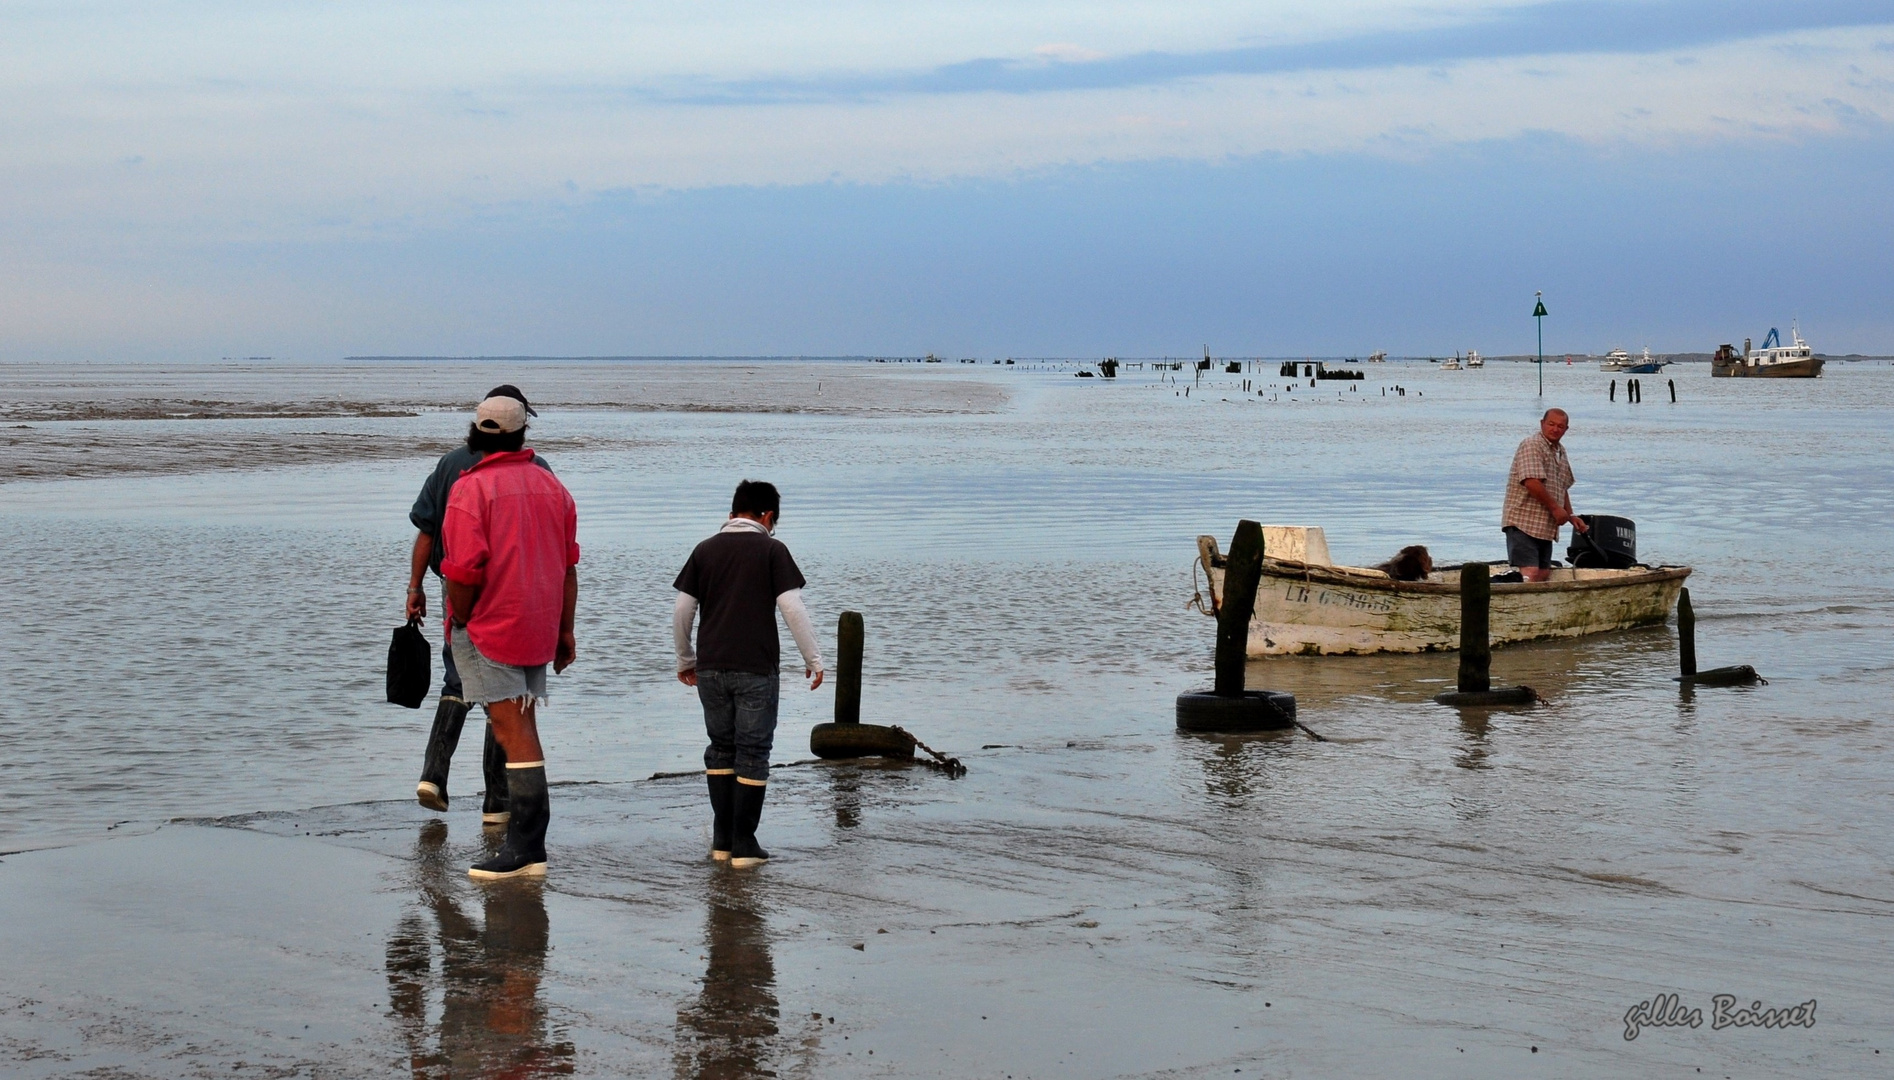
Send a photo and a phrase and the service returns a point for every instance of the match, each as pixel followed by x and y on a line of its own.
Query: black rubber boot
pixel 747 812
pixel 449 715
pixel 723 793
pixel 493 761
pixel 524 852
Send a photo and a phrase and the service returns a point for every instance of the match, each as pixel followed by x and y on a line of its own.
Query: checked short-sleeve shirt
pixel 1538 458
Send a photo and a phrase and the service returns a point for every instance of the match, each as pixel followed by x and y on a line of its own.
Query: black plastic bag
pixel 410 666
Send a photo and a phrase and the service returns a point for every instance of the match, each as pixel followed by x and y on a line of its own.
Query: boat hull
pixel 1304 609
pixel 1794 369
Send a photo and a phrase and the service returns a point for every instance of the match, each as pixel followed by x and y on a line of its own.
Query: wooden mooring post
pixel 1476 651
pixel 1686 634
pixel 1474 685
pixel 1243 571
pixel 849 635
pixel 847 736
pixel 1735 675
pixel 1229 706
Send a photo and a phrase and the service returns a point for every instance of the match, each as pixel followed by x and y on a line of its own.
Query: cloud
pixel 250 155
pixel 1561 27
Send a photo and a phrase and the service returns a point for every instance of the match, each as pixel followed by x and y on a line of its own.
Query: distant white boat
pixel 1378 357
pixel 1475 360
pixel 1615 360
pixel 1451 365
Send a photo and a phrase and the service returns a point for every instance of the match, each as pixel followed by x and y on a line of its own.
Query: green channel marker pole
pixel 1538 316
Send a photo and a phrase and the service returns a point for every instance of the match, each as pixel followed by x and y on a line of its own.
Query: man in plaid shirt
pixel 1538 498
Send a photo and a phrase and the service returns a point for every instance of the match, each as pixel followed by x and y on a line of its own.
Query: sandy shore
pixel 910 925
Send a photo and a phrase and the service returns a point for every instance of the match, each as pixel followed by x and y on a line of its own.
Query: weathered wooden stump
pixel 1229 706
pixel 848 737
pixel 1474 685
pixel 1736 675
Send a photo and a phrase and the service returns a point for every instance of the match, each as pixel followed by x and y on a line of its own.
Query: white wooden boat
pixel 1305 605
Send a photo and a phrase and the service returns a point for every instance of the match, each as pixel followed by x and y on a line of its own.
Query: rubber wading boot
pixel 747 811
pixel 524 852
pixel 493 761
pixel 449 715
pixel 723 793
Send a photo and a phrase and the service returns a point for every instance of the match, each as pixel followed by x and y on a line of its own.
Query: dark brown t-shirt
pixel 736 578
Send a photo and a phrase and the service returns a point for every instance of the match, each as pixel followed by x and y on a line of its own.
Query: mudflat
pixel 215 842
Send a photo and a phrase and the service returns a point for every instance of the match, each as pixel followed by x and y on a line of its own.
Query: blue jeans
pixel 740 717
pixel 450 675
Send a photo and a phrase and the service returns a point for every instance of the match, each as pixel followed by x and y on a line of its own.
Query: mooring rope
pixel 1317 736
pixel 950 765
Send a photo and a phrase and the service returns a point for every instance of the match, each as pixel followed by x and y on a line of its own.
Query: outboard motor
pixel 1611 544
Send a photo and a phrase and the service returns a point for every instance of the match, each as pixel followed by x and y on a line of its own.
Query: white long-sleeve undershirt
pixel 684 613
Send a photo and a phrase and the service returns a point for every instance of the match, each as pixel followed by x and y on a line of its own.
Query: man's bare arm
pixel 461 600
pixel 567 648
pixel 418 559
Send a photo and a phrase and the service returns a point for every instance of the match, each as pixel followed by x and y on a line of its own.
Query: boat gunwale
pixel 1291 569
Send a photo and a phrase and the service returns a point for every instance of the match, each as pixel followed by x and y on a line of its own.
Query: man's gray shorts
pixel 1522 549
pixel 483 682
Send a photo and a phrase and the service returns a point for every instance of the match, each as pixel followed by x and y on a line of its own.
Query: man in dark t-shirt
pixel 740 578
pixel 429 511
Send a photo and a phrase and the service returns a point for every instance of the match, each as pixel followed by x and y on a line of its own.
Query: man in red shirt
pixel 511 534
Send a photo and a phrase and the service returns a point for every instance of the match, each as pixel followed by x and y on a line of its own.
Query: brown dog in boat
pixel 1411 563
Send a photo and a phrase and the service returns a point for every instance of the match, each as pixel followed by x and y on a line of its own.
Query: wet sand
pixel 84 420
pixel 910 926
pixel 1431 893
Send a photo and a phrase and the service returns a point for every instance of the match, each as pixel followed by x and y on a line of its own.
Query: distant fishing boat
pixel 1648 365
pixel 1305 605
pixel 1773 361
pixel 1615 360
pixel 1451 365
pixel 1475 360
pixel 1380 357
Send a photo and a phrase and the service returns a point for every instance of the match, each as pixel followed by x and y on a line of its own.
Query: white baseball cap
pixel 500 415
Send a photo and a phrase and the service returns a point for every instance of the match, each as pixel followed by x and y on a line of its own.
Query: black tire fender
pixel 1505 695
pixel 859 740
pixel 1256 710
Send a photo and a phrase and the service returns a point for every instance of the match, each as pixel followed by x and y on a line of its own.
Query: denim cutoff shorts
pixel 483 682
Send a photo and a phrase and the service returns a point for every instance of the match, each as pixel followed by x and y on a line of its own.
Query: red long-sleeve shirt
pixel 512 529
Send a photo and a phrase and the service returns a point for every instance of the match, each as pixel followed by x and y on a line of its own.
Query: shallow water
pixel 207 642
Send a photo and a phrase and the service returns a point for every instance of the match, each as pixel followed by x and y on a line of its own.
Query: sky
pixel 185 179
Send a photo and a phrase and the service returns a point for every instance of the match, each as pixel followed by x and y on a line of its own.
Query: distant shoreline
pixel 1668 358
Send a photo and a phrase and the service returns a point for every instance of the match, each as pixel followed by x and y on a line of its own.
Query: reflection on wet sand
pixel 1473 747
pixel 492 1022
pixel 1240 765
pixel 731 1029
pixel 845 784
